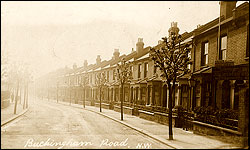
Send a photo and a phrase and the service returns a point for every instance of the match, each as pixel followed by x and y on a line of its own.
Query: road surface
pixel 51 125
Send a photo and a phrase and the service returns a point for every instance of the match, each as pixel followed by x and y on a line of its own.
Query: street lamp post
pixel 191 83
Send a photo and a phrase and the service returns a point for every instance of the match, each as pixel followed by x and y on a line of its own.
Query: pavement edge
pixel 161 140
pixel 14 117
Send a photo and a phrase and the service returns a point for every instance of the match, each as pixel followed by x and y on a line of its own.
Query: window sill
pixel 205 66
pixel 246 58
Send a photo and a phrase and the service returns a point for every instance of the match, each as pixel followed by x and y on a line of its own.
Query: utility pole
pixel 218 51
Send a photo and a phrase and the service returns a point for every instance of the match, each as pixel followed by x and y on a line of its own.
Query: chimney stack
pixel 74 66
pixel 139 45
pixel 173 29
pixel 226 8
pixel 116 54
pixel 160 42
pixel 98 59
pixel 85 64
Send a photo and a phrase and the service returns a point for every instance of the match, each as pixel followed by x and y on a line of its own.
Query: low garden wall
pixel 104 105
pixel 224 134
pixel 5 99
pixel 163 118
pixel 157 117
pixel 5 103
pixel 217 122
pixel 126 110
pixel 146 115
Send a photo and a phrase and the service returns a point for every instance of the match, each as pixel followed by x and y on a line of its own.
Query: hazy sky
pixel 49 35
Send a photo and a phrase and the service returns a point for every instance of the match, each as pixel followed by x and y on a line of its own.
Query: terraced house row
pixel 214 96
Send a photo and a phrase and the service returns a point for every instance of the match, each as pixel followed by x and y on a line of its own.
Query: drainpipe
pixel 218 51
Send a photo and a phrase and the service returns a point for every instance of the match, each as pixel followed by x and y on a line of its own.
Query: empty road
pixel 51 125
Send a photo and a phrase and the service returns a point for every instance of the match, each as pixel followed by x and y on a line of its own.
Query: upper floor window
pixel 76 80
pixel 79 80
pixel 131 69
pixel 68 80
pixel 90 78
pixel 223 48
pixel 189 56
pixel 139 71
pixel 114 74
pixel 108 76
pixel 155 68
pixel 204 54
pixel 145 70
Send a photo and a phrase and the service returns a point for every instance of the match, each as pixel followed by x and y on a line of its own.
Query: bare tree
pixel 16 77
pixel 172 59
pixel 124 75
pixel 100 82
pixel 84 83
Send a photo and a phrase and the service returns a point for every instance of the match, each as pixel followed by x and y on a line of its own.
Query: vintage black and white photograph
pixel 124 74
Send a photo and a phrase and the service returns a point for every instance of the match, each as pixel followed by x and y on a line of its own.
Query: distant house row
pixel 219 72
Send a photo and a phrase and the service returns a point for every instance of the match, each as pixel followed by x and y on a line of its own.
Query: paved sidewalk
pixel 182 138
pixel 8 112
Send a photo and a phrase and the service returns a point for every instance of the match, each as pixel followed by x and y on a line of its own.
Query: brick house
pixel 221 67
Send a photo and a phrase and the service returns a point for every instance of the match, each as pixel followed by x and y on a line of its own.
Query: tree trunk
pixel 27 95
pixel 122 98
pixel 170 112
pixel 100 100
pixel 69 96
pixel 12 95
pixel 24 96
pixel 48 94
pixel 57 94
pixel 15 108
pixel 20 94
